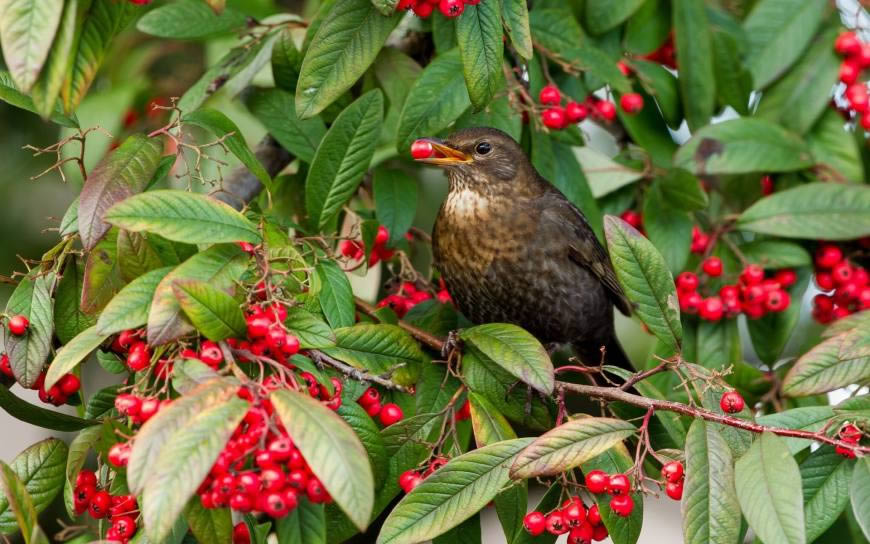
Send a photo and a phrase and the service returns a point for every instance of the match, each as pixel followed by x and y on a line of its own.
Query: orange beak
pixel 444 154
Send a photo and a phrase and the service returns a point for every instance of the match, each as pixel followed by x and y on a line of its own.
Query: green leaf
pixel 515 350
pixel 21 506
pixel 136 255
pixel 129 308
pixel 488 423
pixel 807 418
pixel 603 15
pixel 183 217
pixel 102 278
pixel 70 355
pixel 479 34
pixel 771 332
pixel 769 490
pixel 438 98
pixel 79 447
pixel 741 146
pixel 27 29
pixel 855 407
pixel 209 525
pixel 104 20
pixel 332 450
pixel 826 476
pixel 648 28
pixel 380 349
pixel 835 150
pixel 213 312
pixel 828 211
pixel 693 41
pixel 184 461
pixel 286 63
pixel 160 431
pixel 346 43
pixel 861 494
pixel 499 113
pixel 276 109
pixel 40 469
pixel 336 296
pixel 28 352
pixel 386 7
pixel 306 524
pixel 69 319
pixel 189 19
pixel 47 88
pixel 682 190
pixel 312 332
pixel 733 80
pixel 647 282
pixel 223 127
pixel 836 362
pixel 219 265
pixel 776 254
pixel 343 157
pixel 710 509
pixel 69 223
pixel 658 82
pixel 516 19
pixel 452 494
pixel 101 402
pixel 569 445
pixel 667 229
pixel 22 410
pixel 603 173
pixel 798 99
pixel 718 344
pixel 11 95
pixel 369 434
pixel 395 201
pixel 778 31
pixel 623 530
pixel 120 175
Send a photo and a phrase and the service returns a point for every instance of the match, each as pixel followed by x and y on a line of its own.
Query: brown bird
pixel 513 249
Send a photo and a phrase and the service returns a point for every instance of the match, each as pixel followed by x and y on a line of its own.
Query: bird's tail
pixel 591 354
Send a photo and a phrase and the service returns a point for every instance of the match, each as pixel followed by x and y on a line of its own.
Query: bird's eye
pixel 483 148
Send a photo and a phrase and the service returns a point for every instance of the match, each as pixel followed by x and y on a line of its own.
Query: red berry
pixel 451 8
pixel 767 186
pixel 148 408
pixel 633 218
pixel 576 112
pixel 732 402
pixel 624 68
pixel 553 118
pixel 596 481
pixel 241 533
pixel 86 478
pixel 825 281
pixel 672 471
pixel 674 490
pixel 550 95
pixel 828 256
pixel 422 149
pixel 786 277
pixel 687 281
pixel 210 353
pixel 606 110
pixel 422 9
pixel 690 303
pixel 593 516
pixel 273 505
pixel 369 397
pixel 556 524
pixel 574 513
pixel 581 533
pixel 535 523
pixel 390 413
pixel 123 505
pixel 82 496
pixel 711 309
pixel 752 275
pixel 124 526
pixel 464 412
pixel 373 409
pixel 842 272
pixel 622 505
pixel 847 43
pixel 128 338
pixel 850 433
pixel 618 484
pixel 18 325
pixel 600 533
pixel 849 71
pixel 119 454
pixel 99 505
pixel 127 404
pixel 712 266
pixel 139 357
pixel 69 384
pixel 631 103
pixel 382 237
pixel 777 301
pixel 315 491
pixel 848 453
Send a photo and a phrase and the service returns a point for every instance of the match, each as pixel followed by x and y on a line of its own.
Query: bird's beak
pixel 444 154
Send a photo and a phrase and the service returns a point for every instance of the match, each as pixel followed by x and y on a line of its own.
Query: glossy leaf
pixel 479 35
pixel 79 447
pixel 815 210
pixel 516 19
pixel 733 79
pixel 516 351
pixel 344 46
pixel 189 19
pixel 835 149
pixel 276 109
pixel 343 157
pixel 603 15
pixel 336 296
pixel 209 525
pixel 102 278
pixel 769 490
pixel 770 334
pixel 136 255
pixel 379 349
pixel 27 29
pixel 101 402
pixel 129 308
pixel 603 173
pixel 648 28
pixel 214 313
pixel 710 509
pixel 310 329
pixel 332 450
pixel 826 476
pixel 682 190
pixel 28 353
pixel 488 424
pixel 21 506
pixel 22 410
pixel 40 469
pixel 692 38
pixel 861 494
pixel 776 254
pixel 395 201
pixel 836 362
pixel 47 88
pixel 306 524
pixel 569 445
pixel 71 354
pixel 183 217
pixel 452 494
pixel 11 95
pixel 647 282
pixel 69 319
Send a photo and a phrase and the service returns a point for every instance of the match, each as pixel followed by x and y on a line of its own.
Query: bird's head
pixel 482 159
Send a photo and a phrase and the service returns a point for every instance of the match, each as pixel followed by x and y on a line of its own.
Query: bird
pixel 511 248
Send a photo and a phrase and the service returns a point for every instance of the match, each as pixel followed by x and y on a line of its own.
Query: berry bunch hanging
pixel 846 285
pixel 581 524
pixel 122 511
pixel 857 59
pixel 355 250
pixel 753 294
pixel 409 296
pixel 425 8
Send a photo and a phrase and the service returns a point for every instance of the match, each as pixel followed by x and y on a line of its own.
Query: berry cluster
pixel 846 285
pixel 410 479
pixel 581 524
pixel 700 241
pixel 753 294
pixel 674 476
pixel 58 394
pixel 122 510
pixel 424 8
pixel 857 58
pixel 556 117
pixel 266 334
pixel 409 296
pixel 138 408
pixel 852 435
pixel 388 413
pixel 617 485
pixel 355 250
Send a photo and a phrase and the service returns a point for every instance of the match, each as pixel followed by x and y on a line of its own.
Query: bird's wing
pixel 560 215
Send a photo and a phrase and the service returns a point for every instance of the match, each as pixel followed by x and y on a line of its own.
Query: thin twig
pixel 355 373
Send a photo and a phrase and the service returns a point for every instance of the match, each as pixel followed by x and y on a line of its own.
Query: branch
pixel 323 359
pixel 241 186
pixel 618 395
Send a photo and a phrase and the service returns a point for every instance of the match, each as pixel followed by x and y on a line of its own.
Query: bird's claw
pixel 451 343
